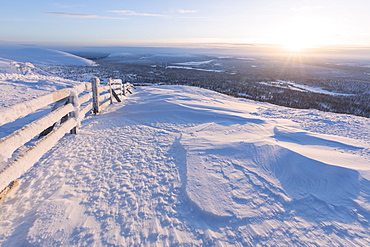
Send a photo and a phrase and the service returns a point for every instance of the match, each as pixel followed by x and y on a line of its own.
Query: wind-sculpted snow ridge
pixel 183 166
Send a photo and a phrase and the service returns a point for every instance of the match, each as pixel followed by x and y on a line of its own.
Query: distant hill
pixel 44 56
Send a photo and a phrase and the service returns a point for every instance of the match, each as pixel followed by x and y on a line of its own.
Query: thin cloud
pixel 185 11
pixel 63 6
pixel 82 16
pixel 306 8
pixel 133 13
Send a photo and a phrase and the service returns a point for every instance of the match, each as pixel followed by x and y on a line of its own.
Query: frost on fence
pixel 66 103
pixel 127 88
pixel 73 99
pixel 65 114
pixel 19 110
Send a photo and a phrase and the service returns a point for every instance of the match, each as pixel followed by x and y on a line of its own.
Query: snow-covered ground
pixel 183 166
pixel 194 63
pixel 21 77
pixel 16 88
pixel 44 56
pixel 194 68
pixel 299 87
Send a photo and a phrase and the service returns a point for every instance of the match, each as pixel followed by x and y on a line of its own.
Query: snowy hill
pixel 21 80
pixel 17 86
pixel 44 56
pixel 178 165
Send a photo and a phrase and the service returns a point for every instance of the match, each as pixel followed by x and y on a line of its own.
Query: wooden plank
pixel 11 113
pixel 105 104
pixel 104 97
pixel 116 96
pixel 116 86
pixel 85 98
pixel 110 90
pixel 8 189
pixel 18 138
pixel 95 91
pixel 103 89
pixel 19 166
pixel 82 87
pixel 86 109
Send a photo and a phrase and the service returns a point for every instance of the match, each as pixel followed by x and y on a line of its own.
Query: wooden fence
pixel 70 107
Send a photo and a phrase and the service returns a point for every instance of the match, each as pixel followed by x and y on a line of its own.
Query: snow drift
pixel 177 165
pixel 12 67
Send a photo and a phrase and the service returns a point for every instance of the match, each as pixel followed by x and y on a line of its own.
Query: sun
pixel 294 47
pixel 301 34
pixel 298 44
pixel 299 39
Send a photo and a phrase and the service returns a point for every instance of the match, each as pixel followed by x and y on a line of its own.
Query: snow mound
pixel 10 67
pixel 45 56
pixel 243 166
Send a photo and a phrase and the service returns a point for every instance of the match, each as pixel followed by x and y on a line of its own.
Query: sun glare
pixel 294 47
pixel 298 45
pixel 303 33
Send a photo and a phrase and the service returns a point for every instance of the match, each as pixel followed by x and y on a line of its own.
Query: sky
pixel 195 23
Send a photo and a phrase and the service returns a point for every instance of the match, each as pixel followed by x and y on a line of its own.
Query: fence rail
pixel 70 107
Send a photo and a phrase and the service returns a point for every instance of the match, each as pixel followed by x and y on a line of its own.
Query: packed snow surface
pixel 183 166
pixel 44 56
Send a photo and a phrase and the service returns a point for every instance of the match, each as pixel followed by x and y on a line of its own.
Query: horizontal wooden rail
pixel 18 138
pixel 85 98
pixel 16 169
pixel 11 113
pixel 68 111
pixel 86 109
pixel 104 97
pixel 83 87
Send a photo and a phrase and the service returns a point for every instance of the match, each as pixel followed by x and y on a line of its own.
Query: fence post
pixel 95 82
pixel 124 89
pixel 73 98
pixel 121 85
pixel 110 90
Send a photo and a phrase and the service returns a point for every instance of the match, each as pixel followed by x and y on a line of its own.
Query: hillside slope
pixel 44 56
pixel 177 165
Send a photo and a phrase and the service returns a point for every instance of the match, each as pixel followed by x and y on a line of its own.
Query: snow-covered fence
pixel 102 100
pixel 70 107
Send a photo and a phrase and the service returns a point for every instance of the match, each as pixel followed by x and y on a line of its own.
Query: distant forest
pixel 243 79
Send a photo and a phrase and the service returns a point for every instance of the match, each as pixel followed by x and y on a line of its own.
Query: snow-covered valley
pixel 185 166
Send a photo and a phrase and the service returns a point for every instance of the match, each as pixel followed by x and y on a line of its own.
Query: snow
pixel 44 56
pixel 195 63
pixel 17 87
pixel 179 165
pixel 9 66
pixel 187 65
pixel 299 87
pixel 120 54
pixel 192 68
